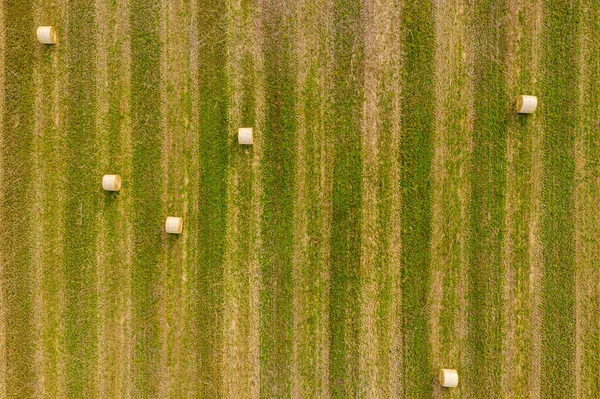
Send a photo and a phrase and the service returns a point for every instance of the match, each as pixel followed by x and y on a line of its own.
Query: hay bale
pixel 448 378
pixel 246 136
pixel 111 182
pixel 46 35
pixel 174 225
pixel 526 104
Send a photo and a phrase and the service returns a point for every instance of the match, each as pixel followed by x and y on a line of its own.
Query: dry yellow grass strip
pixel 535 211
pixel 3 277
pixel 380 343
pixel 123 381
pixel 41 372
pixel 114 242
pixel 175 69
pixel 513 191
pixel 48 206
pixel 519 267
pixel 106 304
pixel 241 323
pixel 312 190
pixel 164 376
pixel 451 187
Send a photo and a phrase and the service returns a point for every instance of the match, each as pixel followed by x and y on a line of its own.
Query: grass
pixel 415 166
pixel 492 105
pixel 212 195
pixel 81 205
pixel 346 199
pixel 559 87
pixel 309 262
pixel 16 177
pixel 586 176
pixel 146 141
pixel 277 169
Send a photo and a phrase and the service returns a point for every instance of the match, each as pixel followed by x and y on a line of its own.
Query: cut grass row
pixel 587 153
pixel 451 169
pixel 212 191
pixel 15 206
pixel 49 208
pixel 242 272
pixel 380 355
pixel 114 242
pixel 518 378
pixel 168 310
pixel 312 207
pixel 277 171
pixel 416 152
pixel 558 87
pixel 146 198
pixel 492 105
pixel 81 324
pixel 179 153
pixel 346 198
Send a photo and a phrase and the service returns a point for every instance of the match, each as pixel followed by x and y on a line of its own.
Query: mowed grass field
pixel 394 215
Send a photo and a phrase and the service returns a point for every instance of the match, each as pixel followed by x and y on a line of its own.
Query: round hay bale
pixel 111 182
pixel 246 136
pixel 448 378
pixel 526 104
pixel 174 225
pixel 46 35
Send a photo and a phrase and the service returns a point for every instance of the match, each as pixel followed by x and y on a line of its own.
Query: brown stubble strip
pixel 39 73
pixel 191 179
pixel 123 383
pixel 311 263
pixel 380 342
pixel 106 361
pixel 58 283
pixel 256 54
pixel 393 337
pixel 3 321
pixel 166 160
pixel 178 275
pixel 368 362
pixel 242 279
pixel 510 239
pixel 114 241
pixel 48 206
pixel 521 295
pixel 453 146
pixel 536 273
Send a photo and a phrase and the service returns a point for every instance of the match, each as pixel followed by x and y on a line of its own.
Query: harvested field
pixel 394 215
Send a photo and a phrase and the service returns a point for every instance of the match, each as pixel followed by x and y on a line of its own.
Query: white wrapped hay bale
pixel 526 104
pixel 111 182
pixel 174 225
pixel 46 35
pixel 448 378
pixel 246 135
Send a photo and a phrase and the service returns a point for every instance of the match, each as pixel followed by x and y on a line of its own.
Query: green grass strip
pixel 82 203
pixel 519 197
pixel 277 170
pixel 347 170
pixel 51 195
pixel 415 166
pixel 590 116
pixel 559 87
pixel 17 175
pixel 492 107
pixel 212 198
pixel 146 178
